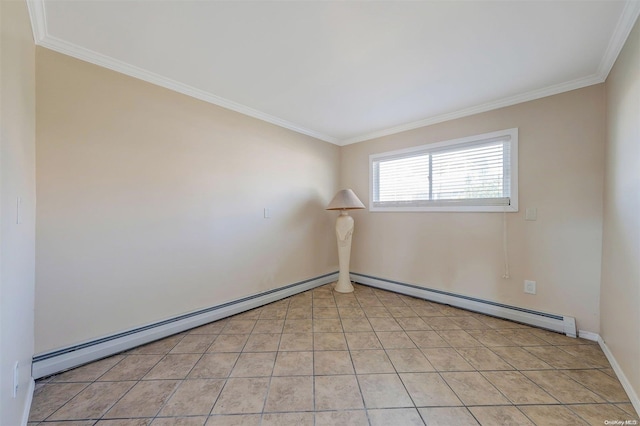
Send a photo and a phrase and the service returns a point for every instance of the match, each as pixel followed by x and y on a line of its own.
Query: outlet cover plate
pixel 530 287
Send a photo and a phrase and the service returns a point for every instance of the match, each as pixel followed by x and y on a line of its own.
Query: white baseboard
pixel 27 403
pixel 631 393
pixel 559 323
pixel 588 335
pixel 63 359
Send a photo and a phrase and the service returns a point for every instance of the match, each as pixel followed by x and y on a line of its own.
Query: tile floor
pixel 323 358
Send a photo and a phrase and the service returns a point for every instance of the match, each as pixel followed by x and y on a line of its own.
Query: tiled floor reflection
pixel 323 358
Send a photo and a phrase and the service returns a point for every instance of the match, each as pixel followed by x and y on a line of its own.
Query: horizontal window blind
pixel 473 173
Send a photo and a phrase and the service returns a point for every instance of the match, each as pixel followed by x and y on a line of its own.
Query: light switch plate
pixel 531 214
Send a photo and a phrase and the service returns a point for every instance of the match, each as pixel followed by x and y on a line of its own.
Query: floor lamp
pixel 344 201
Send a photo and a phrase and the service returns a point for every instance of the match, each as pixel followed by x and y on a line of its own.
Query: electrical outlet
pixel 530 287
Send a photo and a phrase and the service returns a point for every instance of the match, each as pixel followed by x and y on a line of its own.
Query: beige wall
pixel 561 174
pixel 17 179
pixel 150 203
pixel 620 291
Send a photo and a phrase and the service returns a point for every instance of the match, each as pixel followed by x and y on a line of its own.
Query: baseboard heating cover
pixel 49 363
pixel 558 323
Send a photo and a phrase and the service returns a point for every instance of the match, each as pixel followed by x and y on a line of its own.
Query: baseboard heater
pixel 63 359
pixel 558 323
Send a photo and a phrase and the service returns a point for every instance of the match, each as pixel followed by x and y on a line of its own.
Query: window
pixel 473 174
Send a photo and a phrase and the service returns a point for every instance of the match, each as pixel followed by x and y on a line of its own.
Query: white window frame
pixel 458 205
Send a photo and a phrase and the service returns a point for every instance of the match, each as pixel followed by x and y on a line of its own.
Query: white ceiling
pixel 346 71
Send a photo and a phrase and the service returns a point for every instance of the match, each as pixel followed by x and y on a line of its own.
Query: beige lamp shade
pixel 345 199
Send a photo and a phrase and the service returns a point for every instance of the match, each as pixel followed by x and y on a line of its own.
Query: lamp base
pixel 343 286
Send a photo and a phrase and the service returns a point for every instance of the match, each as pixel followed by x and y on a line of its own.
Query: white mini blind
pixel 468 173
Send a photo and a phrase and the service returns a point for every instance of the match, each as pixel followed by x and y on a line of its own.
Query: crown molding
pixel 41 36
pixel 489 106
pixel 38 19
pixel 623 28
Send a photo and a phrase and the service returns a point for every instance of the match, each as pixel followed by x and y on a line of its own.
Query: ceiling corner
pixel 620 34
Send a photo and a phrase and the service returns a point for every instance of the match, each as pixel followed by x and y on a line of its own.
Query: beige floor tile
pixel 350 312
pixel 254 364
pixel 395 340
pixel 298 326
pixel 278 313
pixel 459 338
pixel 325 302
pixel 193 398
pixel 229 343
pixel 409 361
pixel 562 387
pixel 193 344
pixel 596 381
pixel 262 343
pixel 590 353
pixel 234 420
pixel 556 379
pixel 556 338
pixel 329 342
pixel 470 323
pixel 427 339
pixel 332 362
pixel 239 326
pixel 377 312
pixel 88 372
pixel 552 415
pixel 597 414
pixel 447 416
pixel 294 364
pixel 179 421
pixel 384 324
pixel 122 422
pixel 93 401
pixel 520 359
pixel 371 361
pixel 413 324
pixel 489 338
pixel 48 398
pixel 296 342
pixel 337 393
pixel 290 394
pixel 402 312
pixel 500 416
pixel 242 396
pixel 628 408
pixel 342 418
pixel 132 367
pixel 268 326
pixel 557 358
pixel 299 313
pixel 482 358
pixel 518 388
pixel 473 389
pixel 173 366
pixel 441 323
pixel 522 337
pixel 214 365
pixel 144 400
pixel 159 347
pixel 327 325
pixel 446 359
pixel 363 340
pixel 395 416
pixel 383 391
pixel 346 300
pixel 429 390
pixel 211 328
pixel 287 419
pixel 325 312
pixel 356 325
